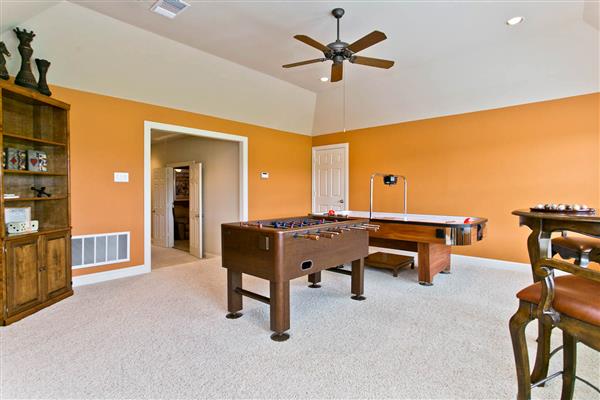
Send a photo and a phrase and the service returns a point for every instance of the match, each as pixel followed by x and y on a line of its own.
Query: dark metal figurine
pixel 3 52
pixel 41 192
pixel 42 85
pixel 25 76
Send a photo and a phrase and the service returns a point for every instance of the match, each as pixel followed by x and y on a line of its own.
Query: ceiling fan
pixel 339 51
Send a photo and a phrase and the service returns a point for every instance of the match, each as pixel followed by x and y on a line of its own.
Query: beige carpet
pixel 167 257
pixel 165 335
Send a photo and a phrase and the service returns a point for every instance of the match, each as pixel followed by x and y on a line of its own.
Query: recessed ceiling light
pixel 324 79
pixel 514 21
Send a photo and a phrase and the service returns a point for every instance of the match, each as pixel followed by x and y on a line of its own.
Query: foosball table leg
pixel 314 280
pixel 280 310
pixel 234 299
pixel 358 279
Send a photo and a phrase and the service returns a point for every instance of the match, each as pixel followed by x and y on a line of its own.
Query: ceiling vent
pixel 169 8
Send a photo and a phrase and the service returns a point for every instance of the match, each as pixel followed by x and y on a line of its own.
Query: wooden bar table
pixel 542 225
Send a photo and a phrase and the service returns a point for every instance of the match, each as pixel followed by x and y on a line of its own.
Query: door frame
pixel 346 147
pixel 149 126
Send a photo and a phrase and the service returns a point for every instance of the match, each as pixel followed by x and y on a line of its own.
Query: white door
pixel 162 206
pixel 330 178
pixel 196 210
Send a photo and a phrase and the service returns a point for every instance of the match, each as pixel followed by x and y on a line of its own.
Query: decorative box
pixel 16 159
pixel 37 161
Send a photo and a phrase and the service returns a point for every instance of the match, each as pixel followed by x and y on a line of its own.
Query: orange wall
pixel 107 136
pixel 485 164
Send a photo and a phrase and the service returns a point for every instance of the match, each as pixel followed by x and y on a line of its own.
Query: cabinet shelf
pixel 33 140
pixel 31 234
pixel 35 199
pixel 21 172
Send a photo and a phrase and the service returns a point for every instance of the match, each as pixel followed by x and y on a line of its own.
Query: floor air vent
pixel 93 250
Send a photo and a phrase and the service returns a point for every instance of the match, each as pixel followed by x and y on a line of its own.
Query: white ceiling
pixel 259 34
pixel 13 12
pixel 451 57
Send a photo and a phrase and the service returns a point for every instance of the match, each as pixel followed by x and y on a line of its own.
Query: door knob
pixel 342 201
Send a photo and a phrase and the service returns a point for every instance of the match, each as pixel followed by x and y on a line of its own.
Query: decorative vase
pixel 3 52
pixel 25 76
pixel 42 85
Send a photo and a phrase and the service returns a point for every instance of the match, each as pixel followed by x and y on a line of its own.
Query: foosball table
pixel 280 250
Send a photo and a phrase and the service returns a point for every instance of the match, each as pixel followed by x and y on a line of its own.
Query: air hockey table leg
pixel 358 279
pixel 433 259
pixel 314 280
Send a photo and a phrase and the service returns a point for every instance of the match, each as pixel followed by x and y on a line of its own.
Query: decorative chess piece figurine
pixel 41 192
pixel 3 52
pixel 42 85
pixel 25 76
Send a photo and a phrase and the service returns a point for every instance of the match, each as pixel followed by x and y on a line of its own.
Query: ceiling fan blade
pixel 316 60
pixel 367 41
pixel 337 71
pixel 372 62
pixel 313 43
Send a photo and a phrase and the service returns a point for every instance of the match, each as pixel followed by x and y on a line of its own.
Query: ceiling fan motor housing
pixel 338 12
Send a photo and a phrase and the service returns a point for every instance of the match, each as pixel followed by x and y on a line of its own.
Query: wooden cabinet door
pixel 23 275
pixel 56 263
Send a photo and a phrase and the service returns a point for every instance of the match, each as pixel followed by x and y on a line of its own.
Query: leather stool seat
pixel 574 297
pixel 579 244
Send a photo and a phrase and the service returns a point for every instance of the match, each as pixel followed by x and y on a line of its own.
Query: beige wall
pixel 220 166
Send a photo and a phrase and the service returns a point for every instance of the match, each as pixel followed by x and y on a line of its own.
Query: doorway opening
pixel 194 181
pixel 181 208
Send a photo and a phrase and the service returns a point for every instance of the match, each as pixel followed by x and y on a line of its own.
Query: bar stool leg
pixel 542 357
pixel 517 326
pixel 569 366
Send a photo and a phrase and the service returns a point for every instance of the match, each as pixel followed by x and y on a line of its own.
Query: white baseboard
pixel 490 262
pixel 97 277
pixel 479 261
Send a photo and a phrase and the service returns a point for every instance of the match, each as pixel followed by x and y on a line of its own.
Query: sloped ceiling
pixel 93 52
pixel 451 57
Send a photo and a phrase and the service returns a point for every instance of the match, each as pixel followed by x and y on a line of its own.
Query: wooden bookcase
pixel 35 267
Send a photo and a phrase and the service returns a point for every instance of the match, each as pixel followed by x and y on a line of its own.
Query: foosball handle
pixel 328 235
pixel 309 236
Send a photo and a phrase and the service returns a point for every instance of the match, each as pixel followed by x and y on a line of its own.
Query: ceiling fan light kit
pixel 339 51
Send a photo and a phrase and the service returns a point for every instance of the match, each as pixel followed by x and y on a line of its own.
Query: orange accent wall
pixel 107 136
pixel 485 164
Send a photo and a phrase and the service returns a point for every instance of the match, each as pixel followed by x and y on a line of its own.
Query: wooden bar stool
pixel 578 248
pixel 570 303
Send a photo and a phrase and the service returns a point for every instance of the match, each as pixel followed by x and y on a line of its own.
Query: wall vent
pixel 93 250
pixel 169 8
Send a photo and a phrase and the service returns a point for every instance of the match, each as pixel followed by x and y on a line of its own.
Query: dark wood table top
pixel 571 217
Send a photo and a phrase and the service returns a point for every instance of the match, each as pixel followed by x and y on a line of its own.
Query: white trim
pixel 97 277
pixel 491 263
pixel 181 164
pixel 148 127
pixel 346 147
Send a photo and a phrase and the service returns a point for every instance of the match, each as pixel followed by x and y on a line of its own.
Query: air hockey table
pixel 431 236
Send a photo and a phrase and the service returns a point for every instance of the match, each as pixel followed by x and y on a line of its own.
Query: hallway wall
pixel 220 174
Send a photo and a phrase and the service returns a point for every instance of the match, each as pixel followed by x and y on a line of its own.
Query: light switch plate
pixel 264 175
pixel 121 176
